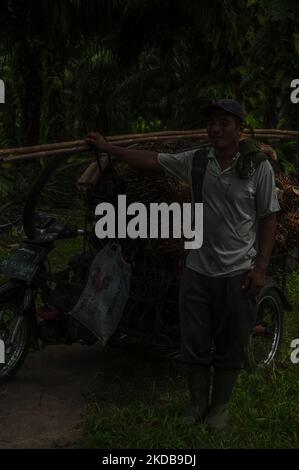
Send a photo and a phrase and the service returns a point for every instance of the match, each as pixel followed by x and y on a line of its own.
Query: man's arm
pixel 266 240
pixel 138 158
pixel 256 279
pixel 266 207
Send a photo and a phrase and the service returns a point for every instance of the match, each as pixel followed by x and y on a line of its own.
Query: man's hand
pixel 96 140
pixel 145 159
pixel 255 280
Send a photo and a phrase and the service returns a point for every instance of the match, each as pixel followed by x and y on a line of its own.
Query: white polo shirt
pixel 231 209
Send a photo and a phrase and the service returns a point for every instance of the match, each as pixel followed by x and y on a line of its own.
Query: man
pixel 221 279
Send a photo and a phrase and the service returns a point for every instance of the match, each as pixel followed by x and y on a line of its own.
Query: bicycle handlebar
pixel 28 218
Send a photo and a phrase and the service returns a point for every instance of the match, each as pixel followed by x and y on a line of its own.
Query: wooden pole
pixel 118 139
pixel 41 148
pixel 272 131
pixel 86 148
pixel 79 146
pixel 80 143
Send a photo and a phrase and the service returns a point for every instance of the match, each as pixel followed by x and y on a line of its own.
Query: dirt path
pixel 44 404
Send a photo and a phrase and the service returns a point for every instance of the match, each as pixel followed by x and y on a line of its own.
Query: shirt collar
pixel 211 156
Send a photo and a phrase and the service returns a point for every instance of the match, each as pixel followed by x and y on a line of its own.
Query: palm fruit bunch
pixel 288 218
pixel 149 186
pixel 141 186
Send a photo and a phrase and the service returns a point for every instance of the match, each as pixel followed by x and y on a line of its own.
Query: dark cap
pixel 230 106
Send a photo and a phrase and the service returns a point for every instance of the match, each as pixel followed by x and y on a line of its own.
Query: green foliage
pixel 251 121
pixel 296 42
pixel 142 125
pixel 102 65
pixel 136 66
pixel 287 166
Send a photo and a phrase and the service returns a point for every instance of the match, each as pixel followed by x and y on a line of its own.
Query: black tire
pixel 265 342
pixel 14 353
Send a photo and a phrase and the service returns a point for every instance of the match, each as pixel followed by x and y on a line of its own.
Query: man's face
pixel 223 130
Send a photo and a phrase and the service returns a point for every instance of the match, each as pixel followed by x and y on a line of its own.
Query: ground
pixel 80 397
pixel 44 404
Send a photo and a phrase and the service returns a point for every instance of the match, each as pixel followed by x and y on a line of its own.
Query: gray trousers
pixel 216 319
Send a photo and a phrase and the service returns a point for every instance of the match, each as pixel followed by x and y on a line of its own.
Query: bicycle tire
pixel 253 362
pixel 10 367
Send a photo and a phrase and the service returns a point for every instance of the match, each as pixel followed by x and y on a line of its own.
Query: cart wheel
pixel 265 341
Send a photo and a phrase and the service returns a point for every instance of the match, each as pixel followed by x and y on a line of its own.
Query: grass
pixel 137 395
pixel 136 399
pixel 139 411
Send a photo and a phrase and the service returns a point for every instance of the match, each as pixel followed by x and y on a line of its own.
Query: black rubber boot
pixel 223 384
pixel 198 381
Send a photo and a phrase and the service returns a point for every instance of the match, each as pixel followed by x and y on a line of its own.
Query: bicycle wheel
pixel 265 341
pixel 14 333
